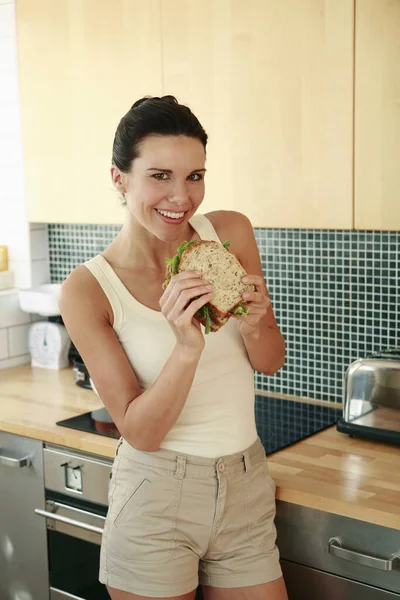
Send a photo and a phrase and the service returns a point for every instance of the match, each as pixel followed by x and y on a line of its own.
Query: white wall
pixel 27 245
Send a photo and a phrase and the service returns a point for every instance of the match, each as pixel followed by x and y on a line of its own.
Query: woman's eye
pixel 195 177
pixel 160 176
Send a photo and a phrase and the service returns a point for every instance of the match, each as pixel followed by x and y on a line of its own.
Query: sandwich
pixel 219 267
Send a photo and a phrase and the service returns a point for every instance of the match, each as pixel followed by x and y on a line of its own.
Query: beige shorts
pixel 177 520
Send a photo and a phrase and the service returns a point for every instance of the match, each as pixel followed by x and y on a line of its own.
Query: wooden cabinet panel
pixel 377 115
pixel 272 83
pixel 82 64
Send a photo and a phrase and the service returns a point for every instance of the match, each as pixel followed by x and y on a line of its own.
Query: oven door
pixel 74 537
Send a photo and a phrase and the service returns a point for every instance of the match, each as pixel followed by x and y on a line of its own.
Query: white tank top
pixel 218 416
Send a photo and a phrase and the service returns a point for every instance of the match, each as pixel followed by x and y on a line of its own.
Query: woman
pixel 190 497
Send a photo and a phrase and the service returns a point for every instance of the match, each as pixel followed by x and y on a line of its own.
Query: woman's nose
pixel 179 193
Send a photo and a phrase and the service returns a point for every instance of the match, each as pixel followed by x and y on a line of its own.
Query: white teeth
pixel 171 215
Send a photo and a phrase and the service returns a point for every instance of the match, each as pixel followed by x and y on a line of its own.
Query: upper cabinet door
pixel 272 83
pixel 377 115
pixel 82 65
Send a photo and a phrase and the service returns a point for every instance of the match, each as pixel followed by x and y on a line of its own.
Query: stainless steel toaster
pixel 372 398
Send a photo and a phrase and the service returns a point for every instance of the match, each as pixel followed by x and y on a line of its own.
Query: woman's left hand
pixel 257 303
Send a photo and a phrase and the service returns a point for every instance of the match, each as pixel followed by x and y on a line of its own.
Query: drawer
pixel 304 535
pixel 325 586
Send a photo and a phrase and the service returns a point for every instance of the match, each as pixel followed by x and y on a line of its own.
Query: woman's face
pixel 165 186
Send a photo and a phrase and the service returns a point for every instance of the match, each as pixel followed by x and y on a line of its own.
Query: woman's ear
pixel 118 179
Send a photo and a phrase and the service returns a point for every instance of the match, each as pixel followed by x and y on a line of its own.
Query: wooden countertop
pixel 32 400
pixel 328 471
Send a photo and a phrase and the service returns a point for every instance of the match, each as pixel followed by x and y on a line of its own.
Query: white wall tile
pixel 15 214
pixel 39 244
pixel 7 20
pixel 14 227
pixel 16 238
pixel 15 362
pixel 40 272
pixel 22 273
pixel 3 344
pixel 10 312
pixel 7 280
pixel 18 340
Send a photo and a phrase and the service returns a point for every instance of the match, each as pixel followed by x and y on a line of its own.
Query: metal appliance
pixel 23 543
pixel 372 398
pixel 76 503
pixel 76 494
pixel 330 557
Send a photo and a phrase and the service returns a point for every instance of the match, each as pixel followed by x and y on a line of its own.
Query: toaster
pixel 371 407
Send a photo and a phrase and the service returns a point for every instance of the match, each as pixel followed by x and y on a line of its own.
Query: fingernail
pixel 246 295
pixel 245 279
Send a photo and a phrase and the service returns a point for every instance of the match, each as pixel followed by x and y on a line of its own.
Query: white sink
pixel 42 300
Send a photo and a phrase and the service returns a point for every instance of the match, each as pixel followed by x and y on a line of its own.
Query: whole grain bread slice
pixel 223 271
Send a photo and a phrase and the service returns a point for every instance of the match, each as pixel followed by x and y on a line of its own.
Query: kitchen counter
pixel 32 400
pixel 328 471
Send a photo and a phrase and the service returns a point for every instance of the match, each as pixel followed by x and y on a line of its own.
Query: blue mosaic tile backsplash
pixel 335 296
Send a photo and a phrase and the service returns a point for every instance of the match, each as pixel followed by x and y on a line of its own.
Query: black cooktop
pixel 280 423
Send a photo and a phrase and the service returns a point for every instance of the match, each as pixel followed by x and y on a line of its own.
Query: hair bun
pixel 167 99
pixel 140 101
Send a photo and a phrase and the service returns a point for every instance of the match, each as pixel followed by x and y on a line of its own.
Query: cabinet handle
pixel 68 521
pixel 8 461
pixel 335 548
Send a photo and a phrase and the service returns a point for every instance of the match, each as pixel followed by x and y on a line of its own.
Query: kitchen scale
pixel 48 342
pixel 49 345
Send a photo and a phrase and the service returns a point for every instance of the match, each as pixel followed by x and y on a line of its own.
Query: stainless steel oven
pixel 76 497
pixel 76 494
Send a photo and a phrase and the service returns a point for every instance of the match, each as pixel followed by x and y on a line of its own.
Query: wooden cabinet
pixel 377 115
pixel 272 83
pixel 82 65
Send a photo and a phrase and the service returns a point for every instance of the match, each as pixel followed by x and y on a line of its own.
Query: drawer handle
pixel 335 548
pixel 14 462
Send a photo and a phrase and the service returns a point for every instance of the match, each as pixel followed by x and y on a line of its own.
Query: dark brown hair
pixel 152 116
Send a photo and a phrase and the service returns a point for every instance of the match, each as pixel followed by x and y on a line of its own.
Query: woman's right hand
pixel 179 307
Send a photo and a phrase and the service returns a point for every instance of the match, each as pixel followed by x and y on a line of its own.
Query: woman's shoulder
pixel 80 292
pixel 233 226
pixel 228 220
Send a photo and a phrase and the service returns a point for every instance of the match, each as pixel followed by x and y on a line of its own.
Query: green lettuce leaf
pixel 173 263
pixel 204 312
pixel 241 310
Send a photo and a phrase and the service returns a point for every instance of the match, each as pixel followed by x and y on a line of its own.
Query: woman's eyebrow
pixel 170 171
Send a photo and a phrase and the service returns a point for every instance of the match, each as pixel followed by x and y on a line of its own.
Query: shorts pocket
pixel 133 500
pixel 260 507
pixel 142 518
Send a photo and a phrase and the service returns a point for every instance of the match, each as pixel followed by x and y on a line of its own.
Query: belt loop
pixel 247 462
pixel 180 467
